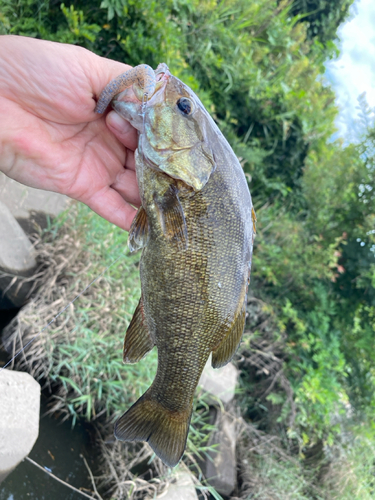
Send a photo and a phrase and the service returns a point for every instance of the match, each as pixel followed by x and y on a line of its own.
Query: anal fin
pixel 138 342
pixel 229 345
pixel 138 234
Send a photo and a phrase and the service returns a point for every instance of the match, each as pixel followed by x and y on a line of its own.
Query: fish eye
pixel 185 105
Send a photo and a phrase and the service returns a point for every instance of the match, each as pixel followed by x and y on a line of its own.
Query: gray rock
pixel 30 205
pixel 16 251
pixel 220 382
pixel 182 488
pixel 16 258
pixel 19 418
pixel 221 467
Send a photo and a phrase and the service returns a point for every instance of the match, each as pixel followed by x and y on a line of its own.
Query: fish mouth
pixel 132 103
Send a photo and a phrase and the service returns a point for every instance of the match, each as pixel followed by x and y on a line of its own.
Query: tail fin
pixel 165 431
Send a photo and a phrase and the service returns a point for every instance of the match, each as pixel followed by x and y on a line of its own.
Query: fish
pixel 196 229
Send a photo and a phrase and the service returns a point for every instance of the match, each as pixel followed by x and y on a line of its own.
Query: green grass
pixel 346 471
pixel 351 476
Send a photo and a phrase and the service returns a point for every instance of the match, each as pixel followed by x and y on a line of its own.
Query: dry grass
pixel 119 459
pixel 49 296
pixel 267 471
pixel 264 387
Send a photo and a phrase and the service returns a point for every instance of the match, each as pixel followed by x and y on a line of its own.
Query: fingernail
pixel 116 122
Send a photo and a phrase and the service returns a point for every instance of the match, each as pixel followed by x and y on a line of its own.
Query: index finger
pixel 124 132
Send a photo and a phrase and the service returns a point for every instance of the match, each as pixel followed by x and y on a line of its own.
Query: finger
pixel 122 129
pixel 126 185
pixel 110 205
pixel 130 160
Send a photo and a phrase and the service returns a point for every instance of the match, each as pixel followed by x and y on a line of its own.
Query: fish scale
pixel 196 231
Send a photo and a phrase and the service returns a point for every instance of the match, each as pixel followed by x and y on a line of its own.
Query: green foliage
pixel 323 16
pixel 79 28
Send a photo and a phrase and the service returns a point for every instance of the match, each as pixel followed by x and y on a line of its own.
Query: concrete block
pixel 16 251
pixel 28 204
pixel 19 418
pixel 180 488
pixel 16 257
pixel 221 466
pixel 219 382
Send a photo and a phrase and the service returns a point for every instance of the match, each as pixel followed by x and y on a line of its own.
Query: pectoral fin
pixel 138 234
pixel 138 342
pixel 193 165
pixel 172 218
pixel 229 345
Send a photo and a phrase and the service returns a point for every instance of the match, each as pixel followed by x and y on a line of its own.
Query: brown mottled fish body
pixel 196 229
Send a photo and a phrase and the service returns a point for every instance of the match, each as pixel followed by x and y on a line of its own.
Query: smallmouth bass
pixel 196 228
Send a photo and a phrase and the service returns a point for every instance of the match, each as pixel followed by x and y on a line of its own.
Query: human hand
pixel 50 137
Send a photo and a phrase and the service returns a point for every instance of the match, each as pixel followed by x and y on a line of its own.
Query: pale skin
pixel 50 137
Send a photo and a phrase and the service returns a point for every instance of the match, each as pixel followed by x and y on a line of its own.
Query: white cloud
pixel 354 71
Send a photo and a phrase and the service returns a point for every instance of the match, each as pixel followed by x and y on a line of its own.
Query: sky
pixel 354 71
